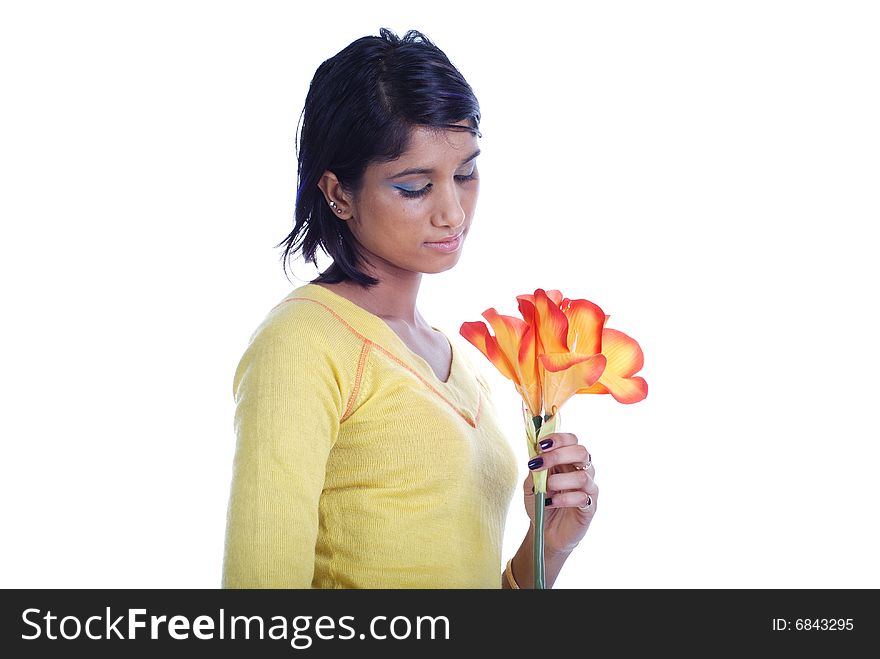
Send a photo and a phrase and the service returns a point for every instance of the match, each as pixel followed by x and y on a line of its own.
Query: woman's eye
pixel 412 194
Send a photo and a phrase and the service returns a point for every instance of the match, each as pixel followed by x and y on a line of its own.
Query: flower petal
pixel 625 358
pixel 552 325
pixel 562 384
pixel 555 295
pixel 626 390
pixel 597 388
pixel 560 361
pixel 585 322
pixel 624 354
pixel 527 307
pixel 478 334
pixel 509 332
pixel 527 366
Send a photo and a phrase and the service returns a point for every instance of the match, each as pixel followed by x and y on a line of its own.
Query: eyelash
pixel 414 194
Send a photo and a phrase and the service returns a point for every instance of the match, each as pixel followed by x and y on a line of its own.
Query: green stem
pixel 538 552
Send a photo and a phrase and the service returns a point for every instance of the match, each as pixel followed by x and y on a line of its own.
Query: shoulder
pixel 303 321
pixel 302 336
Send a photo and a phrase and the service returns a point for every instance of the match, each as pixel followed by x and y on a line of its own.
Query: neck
pixel 393 299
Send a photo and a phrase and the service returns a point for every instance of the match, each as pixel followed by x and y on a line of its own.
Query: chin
pixel 443 267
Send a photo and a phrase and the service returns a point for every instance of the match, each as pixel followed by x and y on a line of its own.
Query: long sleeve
pixel 288 406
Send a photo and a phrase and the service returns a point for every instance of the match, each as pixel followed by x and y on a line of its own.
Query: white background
pixel 707 172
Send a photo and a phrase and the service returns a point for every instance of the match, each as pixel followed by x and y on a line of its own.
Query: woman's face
pixel 426 196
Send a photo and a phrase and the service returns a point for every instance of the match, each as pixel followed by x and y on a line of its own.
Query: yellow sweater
pixel 355 466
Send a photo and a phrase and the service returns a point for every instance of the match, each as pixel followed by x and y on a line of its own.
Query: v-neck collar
pixel 459 390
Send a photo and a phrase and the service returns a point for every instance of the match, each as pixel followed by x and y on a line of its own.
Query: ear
pixel 333 191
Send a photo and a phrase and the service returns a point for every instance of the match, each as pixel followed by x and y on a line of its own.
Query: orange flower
pixel 586 335
pixel 560 348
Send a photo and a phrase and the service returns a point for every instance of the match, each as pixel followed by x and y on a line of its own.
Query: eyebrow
pixel 422 170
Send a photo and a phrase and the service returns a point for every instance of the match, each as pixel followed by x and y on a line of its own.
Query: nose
pixel 449 211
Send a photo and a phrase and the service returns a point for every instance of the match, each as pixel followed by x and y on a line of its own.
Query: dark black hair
pixel 360 108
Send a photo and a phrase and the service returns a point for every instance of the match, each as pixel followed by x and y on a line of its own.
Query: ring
pixel 587 504
pixel 589 462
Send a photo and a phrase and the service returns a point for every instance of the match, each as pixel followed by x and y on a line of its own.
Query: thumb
pixel 529 485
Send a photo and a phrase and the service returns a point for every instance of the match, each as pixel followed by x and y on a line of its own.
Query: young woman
pixel 368 451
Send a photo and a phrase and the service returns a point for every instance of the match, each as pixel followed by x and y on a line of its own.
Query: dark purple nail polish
pixel 548 501
pixel 545 444
pixel 534 463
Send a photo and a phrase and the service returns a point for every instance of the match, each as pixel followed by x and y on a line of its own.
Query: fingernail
pixel 534 463
pixel 545 444
pixel 548 501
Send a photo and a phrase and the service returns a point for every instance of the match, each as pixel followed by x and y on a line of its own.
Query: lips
pixel 447 240
pixel 447 246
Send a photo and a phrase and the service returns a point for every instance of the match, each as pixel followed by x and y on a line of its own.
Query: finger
pixel 575 455
pixel 581 500
pixel 584 500
pixel 589 469
pixel 560 440
pixel 529 485
pixel 569 480
pixel 557 439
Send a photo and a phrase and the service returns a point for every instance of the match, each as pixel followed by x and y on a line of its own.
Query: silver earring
pixel 333 206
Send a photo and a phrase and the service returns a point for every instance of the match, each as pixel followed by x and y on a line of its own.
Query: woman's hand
pixel 571 496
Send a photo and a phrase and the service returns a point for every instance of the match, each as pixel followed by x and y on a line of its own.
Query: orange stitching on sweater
pixel 461 413
pixel 464 416
pixel 365 350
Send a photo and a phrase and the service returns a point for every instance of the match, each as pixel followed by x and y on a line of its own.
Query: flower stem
pixel 540 494
pixel 538 552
